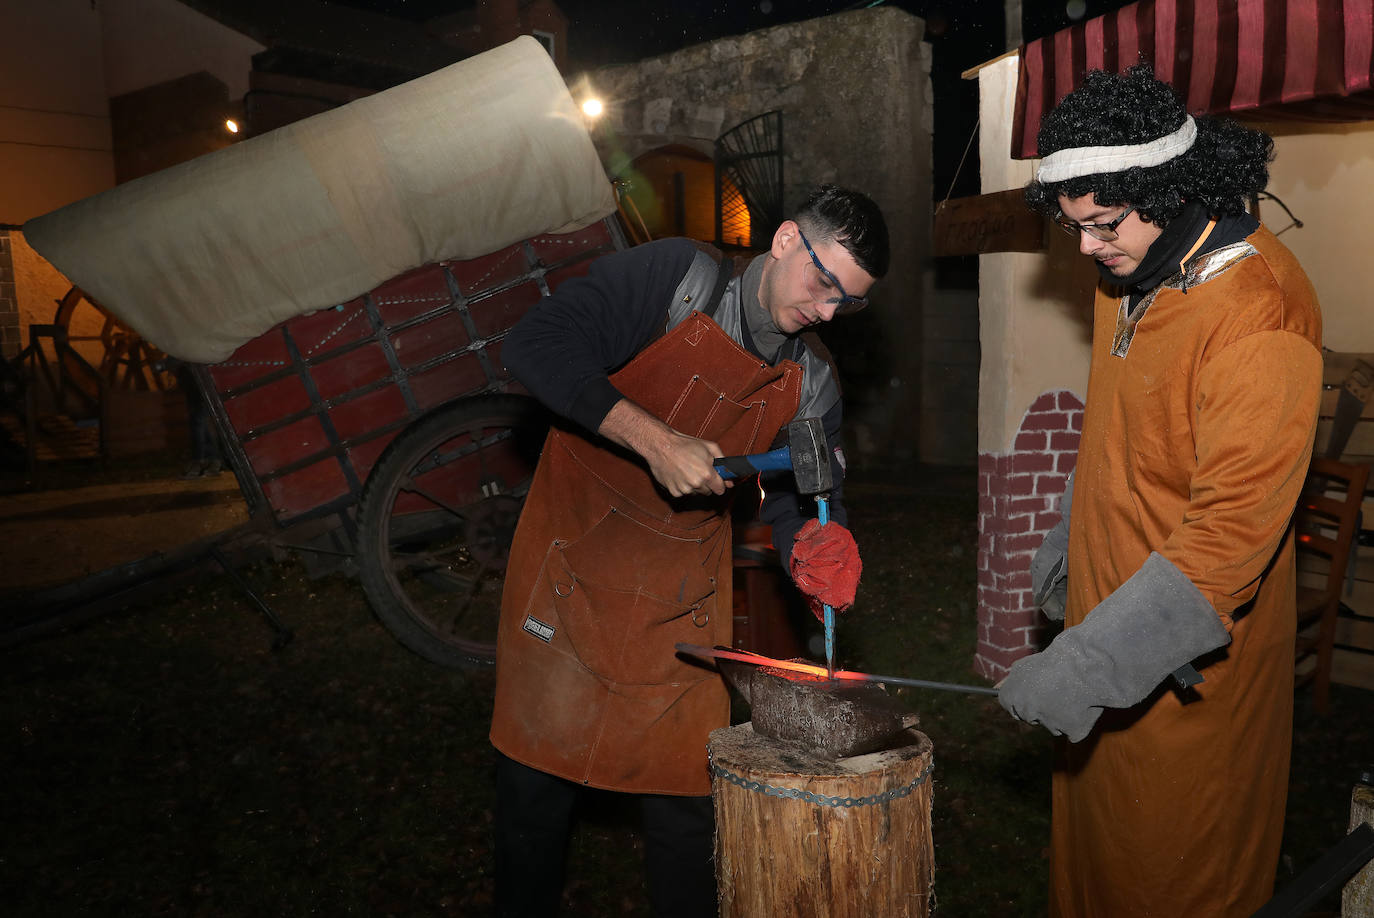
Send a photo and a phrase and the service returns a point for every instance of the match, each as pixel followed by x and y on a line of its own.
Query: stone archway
pixel 673 190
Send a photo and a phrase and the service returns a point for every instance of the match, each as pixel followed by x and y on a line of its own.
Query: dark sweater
pixel 566 347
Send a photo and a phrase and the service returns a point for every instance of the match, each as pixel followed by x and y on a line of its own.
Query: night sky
pixel 617 31
pixel 962 34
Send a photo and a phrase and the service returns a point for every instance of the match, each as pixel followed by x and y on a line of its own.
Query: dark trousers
pixel 534 813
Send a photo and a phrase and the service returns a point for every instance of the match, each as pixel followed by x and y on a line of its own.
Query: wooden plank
pixel 1360 597
pixel 1331 396
pixel 1344 372
pixel 1336 365
pixel 1349 667
pixel 1355 633
pixel 1361 442
pixel 1364 564
pixel 1310 563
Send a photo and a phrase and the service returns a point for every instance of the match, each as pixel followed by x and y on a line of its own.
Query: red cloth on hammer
pixel 826 565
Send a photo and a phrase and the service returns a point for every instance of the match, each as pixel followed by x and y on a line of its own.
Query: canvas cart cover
pixel 208 254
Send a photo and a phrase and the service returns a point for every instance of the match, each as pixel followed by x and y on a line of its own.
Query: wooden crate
pixel 1353 659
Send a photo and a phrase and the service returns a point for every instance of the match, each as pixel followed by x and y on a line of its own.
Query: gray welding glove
pixel 1154 623
pixel 1049 568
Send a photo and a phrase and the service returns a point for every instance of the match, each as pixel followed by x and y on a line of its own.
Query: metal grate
pixel 749 157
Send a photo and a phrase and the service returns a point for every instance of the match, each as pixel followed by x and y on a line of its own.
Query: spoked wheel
pixel 436 521
pixel 122 356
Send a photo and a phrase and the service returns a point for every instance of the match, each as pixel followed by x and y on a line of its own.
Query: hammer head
pixel 810 456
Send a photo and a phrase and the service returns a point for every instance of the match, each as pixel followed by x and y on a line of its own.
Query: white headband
pixel 1076 161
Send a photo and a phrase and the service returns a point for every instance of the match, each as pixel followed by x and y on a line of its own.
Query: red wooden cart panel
pixel 312 403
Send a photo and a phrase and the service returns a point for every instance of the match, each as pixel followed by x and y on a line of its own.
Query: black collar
pixel 1162 258
pixel 1161 261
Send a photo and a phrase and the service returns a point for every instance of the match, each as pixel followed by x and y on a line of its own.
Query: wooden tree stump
pixel 787 843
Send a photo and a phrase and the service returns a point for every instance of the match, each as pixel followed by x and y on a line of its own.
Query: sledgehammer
pixel 807 455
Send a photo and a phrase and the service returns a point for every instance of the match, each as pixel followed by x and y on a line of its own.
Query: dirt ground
pixel 54 536
pixel 174 759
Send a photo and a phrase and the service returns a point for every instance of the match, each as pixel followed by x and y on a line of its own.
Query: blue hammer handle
pixel 777 460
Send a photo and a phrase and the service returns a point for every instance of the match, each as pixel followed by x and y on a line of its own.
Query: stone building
pixel 850 92
pixel 854 94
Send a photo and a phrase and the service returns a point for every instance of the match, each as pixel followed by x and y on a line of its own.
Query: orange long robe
pixel 1195 444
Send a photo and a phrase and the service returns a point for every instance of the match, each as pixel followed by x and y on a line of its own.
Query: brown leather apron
pixel 607 573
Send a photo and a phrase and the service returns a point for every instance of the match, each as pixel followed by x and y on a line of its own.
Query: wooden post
pixel 808 837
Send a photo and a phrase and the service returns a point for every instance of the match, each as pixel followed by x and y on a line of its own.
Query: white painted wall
pixel 60 62
pixel 1034 309
pixel 1325 174
pixel 54 118
pixel 152 41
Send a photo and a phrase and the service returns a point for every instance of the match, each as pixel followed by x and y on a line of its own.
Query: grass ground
pixel 167 761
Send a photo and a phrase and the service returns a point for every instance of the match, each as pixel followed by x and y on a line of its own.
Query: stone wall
pixel 854 89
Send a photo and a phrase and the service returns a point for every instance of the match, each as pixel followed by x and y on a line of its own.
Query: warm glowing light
pixel 795 666
pixel 592 108
pixel 231 125
pixel 734 214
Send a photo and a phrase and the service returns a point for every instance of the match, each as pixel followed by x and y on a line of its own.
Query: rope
pixel 960 168
pixel 792 793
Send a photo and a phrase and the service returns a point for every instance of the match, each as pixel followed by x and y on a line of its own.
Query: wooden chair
pixel 1326 527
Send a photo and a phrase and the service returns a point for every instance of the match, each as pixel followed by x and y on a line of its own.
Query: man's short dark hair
pixel 1227 164
pixel 833 214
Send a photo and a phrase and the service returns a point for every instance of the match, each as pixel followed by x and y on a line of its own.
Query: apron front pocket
pixel 625 594
pixel 720 416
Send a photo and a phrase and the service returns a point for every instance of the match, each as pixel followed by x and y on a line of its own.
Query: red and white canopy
pixel 1270 59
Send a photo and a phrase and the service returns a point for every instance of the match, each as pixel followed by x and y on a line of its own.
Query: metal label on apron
pixel 541 630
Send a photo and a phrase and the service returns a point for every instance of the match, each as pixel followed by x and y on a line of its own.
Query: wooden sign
pixel 997 222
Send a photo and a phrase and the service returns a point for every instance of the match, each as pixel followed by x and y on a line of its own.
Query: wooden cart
pixel 375 431
pixel 386 436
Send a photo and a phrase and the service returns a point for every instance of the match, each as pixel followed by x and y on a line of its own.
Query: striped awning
pixel 1270 59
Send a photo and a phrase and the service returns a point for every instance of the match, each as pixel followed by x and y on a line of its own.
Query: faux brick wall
pixel 9 300
pixel 1018 502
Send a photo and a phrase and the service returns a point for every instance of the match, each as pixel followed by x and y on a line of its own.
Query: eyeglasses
pixel 822 289
pixel 1105 232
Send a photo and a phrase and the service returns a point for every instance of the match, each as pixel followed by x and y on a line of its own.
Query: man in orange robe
pixel 1172 681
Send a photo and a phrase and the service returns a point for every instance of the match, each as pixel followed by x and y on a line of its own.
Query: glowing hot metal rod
pixel 796 666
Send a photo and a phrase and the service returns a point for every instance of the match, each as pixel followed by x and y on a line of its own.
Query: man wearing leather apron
pixel 659 361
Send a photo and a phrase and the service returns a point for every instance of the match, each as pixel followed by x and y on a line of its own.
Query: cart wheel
pixel 436 519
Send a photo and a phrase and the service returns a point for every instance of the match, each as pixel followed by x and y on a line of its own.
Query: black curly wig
pixel 1227 164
